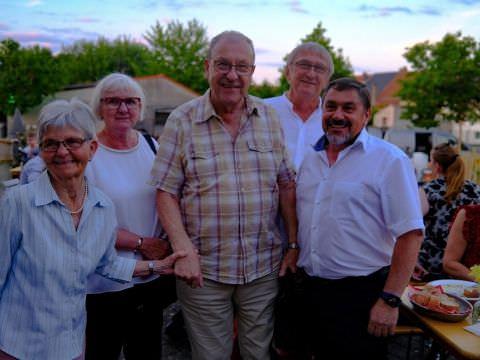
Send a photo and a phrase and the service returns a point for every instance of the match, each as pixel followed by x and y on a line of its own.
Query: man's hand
pixel 289 262
pixel 155 249
pixel 383 319
pixel 188 269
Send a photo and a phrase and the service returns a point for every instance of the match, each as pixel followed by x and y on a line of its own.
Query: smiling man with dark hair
pixel 360 229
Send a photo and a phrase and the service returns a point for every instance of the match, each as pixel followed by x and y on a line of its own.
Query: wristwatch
pixel 390 299
pixel 151 267
pixel 293 245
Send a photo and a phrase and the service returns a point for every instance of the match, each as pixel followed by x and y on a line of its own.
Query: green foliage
pixel 27 76
pixel 179 52
pixel 341 63
pixel 445 82
pixel 86 61
pixel 264 90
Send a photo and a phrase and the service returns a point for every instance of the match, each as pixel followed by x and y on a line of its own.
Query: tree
pixel 444 83
pixel 264 90
pixel 179 52
pixel 86 61
pixel 341 64
pixel 27 76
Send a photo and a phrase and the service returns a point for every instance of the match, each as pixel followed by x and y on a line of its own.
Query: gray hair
pixel 67 113
pixel 114 82
pixel 316 48
pixel 229 34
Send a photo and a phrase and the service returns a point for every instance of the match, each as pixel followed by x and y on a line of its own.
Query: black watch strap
pixel 390 299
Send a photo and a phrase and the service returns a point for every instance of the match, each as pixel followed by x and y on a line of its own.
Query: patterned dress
pixel 439 218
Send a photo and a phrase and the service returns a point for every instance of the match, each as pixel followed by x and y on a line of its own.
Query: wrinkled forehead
pixel 311 56
pixel 233 46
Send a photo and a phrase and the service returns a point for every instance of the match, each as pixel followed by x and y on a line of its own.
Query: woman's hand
pixel 155 248
pixel 165 266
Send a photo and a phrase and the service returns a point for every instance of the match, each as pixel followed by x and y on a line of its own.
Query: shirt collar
pixel 362 140
pixel 46 194
pixel 290 104
pixel 209 111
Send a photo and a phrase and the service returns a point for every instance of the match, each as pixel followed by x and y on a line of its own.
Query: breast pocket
pixel 348 198
pixel 261 159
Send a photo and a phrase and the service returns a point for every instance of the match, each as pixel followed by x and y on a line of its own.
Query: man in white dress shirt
pixel 309 68
pixel 360 229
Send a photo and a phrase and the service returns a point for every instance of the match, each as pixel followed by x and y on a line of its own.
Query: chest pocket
pixel 261 159
pixel 203 163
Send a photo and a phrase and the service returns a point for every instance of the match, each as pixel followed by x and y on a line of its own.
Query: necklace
pixel 85 193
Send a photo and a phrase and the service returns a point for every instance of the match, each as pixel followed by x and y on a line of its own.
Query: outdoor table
pixel 451 336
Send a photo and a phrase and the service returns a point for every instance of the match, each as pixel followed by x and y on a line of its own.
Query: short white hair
pixel 113 82
pixel 67 113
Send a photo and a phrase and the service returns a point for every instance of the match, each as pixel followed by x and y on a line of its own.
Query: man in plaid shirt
pixel 222 173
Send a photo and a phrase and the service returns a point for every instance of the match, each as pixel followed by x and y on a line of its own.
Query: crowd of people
pixel 237 193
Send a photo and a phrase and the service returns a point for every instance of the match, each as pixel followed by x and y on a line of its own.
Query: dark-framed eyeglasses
pixel 50 145
pixel 225 67
pixel 114 102
pixel 306 66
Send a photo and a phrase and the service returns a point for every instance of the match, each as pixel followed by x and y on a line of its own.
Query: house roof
pixel 384 86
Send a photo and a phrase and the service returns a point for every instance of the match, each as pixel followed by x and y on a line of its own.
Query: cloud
pixel 296 6
pixel 466 2
pixel 4 27
pixel 33 3
pixel 53 38
pixel 87 20
pixel 382 11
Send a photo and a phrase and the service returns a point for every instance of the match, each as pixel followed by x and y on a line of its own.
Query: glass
pixel 50 145
pixel 306 66
pixel 240 69
pixel 114 102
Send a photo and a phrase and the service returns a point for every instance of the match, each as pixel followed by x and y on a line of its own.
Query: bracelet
pixel 139 245
pixel 150 267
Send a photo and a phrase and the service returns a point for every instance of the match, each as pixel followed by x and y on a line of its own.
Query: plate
pixel 455 287
pixel 465 310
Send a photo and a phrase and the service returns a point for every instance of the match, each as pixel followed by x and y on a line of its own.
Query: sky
pixel 373 35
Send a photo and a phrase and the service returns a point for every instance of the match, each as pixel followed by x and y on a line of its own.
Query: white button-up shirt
pixel 350 214
pixel 299 135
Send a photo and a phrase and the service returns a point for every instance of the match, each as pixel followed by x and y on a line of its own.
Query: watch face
pixel 390 299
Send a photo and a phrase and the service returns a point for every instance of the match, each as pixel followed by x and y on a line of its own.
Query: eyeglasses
pixel 240 69
pixel 51 145
pixel 115 102
pixel 306 66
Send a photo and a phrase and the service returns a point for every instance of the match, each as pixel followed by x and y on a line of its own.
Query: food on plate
pixel 432 298
pixel 475 272
pixel 471 292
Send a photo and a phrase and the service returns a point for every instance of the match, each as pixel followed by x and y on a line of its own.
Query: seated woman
pixel 55 233
pixel 463 245
pixel 445 194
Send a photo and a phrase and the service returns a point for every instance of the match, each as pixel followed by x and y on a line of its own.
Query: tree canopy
pixel 444 83
pixel 179 52
pixel 27 76
pixel 86 61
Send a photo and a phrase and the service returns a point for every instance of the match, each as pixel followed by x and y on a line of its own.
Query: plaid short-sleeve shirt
pixel 228 188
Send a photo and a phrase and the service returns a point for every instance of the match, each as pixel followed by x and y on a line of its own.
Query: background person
pixel 309 68
pixel 121 169
pixel 463 245
pixel 360 228
pixel 57 231
pixel 445 194
pixel 222 171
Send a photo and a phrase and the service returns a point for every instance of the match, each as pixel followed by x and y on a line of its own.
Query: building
pixel 162 94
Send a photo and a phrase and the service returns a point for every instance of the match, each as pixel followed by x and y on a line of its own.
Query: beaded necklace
pixel 85 193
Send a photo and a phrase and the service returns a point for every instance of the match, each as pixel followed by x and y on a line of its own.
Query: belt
pixel 381 273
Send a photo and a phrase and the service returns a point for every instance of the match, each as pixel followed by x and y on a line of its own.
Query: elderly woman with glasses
pixel 126 317
pixel 56 232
